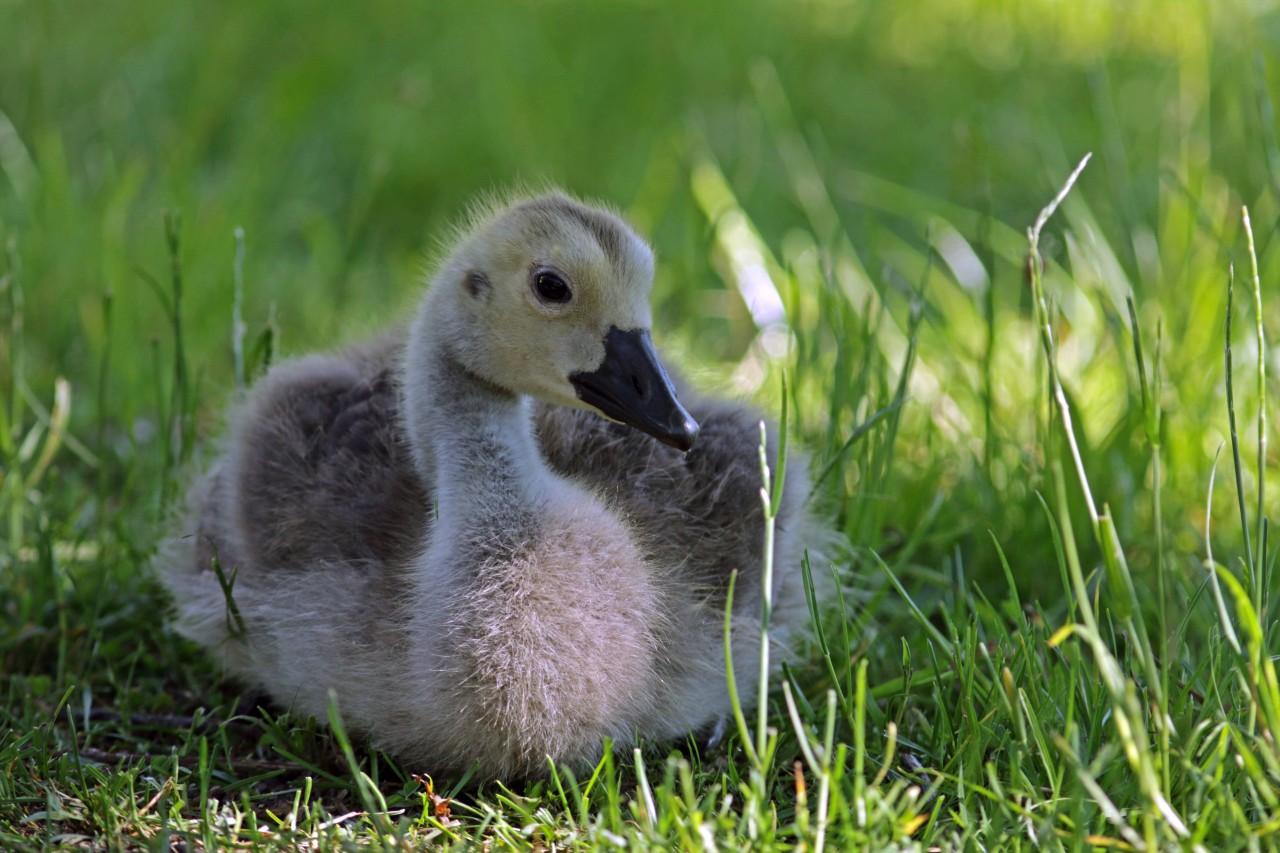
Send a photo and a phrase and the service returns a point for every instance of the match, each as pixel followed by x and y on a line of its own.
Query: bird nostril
pixel 638 385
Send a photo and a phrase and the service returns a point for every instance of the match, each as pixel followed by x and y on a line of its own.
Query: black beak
pixel 632 388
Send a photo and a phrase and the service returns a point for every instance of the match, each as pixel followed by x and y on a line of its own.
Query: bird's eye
pixel 551 288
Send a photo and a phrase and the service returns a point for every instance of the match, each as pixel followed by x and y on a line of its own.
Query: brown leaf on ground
pixel 439 805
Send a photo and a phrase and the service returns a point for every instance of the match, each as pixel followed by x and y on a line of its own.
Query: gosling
pixel 499 536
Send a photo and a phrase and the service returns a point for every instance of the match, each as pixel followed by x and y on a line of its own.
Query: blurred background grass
pixel 866 154
pixel 869 166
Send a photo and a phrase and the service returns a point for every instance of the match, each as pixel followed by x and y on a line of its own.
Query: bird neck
pixel 472 441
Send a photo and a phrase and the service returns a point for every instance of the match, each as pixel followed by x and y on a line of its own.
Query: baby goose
pixel 486 581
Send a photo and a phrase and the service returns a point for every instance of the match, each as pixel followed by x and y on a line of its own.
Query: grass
pixel 1044 429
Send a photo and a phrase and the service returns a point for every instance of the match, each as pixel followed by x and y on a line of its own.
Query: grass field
pixel 1047 439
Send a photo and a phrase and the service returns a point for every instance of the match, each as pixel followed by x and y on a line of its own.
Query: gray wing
pixel 698 512
pixel 324 473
